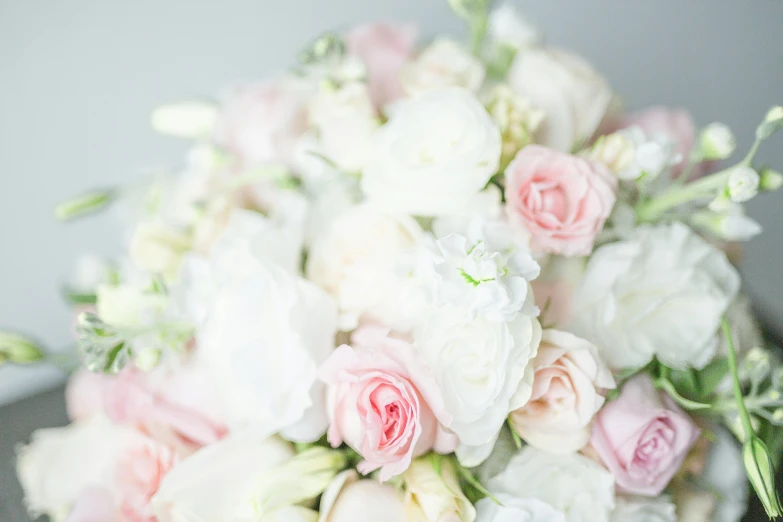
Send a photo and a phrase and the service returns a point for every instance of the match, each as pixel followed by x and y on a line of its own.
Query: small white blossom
pixel 508 27
pixel 743 184
pixel 717 142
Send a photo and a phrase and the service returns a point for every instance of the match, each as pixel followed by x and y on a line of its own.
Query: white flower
pixel 483 266
pixel 717 142
pixel 661 293
pixel 483 371
pixel 732 224
pixel 60 463
pixel 220 481
pixel 572 484
pixel 348 499
pixel 445 63
pixel 128 305
pixel 574 97
pixel 508 27
pixel 743 184
pixel 434 155
pixel 359 260
pixel 516 118
pixel 158 249
pixel 346 122
pixel 630 154
pixel 725 472
pixel 640 509
pixel 434 495
pixel 515 509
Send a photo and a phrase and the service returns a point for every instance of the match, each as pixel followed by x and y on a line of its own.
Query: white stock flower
pixel 436 153
pixel 220 481
pixel 507 27
pixel 573 484
pixel 483 370
pixel 483 266
pixel 573 96
pixel 445 63
pixel 359 261
pixel 516 509
pixel 346 122
pixel 660 293
pixel 743 184
pixel 641 509
pixel 434 495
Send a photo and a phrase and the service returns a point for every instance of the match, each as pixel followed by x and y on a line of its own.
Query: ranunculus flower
pixel 384 403
pixel 445 63
pixel 637 298
pixel 140 471
pixel 348 499
pixel 384 48
pixel 434 155
pixel 573 95
pixel 643 437
pixel 572 484
pixel 563 201
pixel 261 123
pixel 567 392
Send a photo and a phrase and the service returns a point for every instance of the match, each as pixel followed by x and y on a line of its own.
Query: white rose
pixel 435 496
pixel 445 63
pixel 219 482
pixel 348 499
pixel 61 463
pixel 572 484
pixel 574 97
pixel 483 370
pixel 346 122
pixel 507 27
pixel 514 509
pixel 640 509
pixel 434 155
pixel 661 293
pixel 359 262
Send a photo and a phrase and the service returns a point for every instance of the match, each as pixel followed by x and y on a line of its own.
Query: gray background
pixel 79 77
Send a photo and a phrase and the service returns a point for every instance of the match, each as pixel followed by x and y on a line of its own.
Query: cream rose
pixel 445 63
pixel 567 393
pixel 435 496
pixel 434 156
pixel 574 97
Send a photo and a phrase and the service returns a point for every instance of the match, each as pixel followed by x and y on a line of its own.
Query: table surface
pixel 20 419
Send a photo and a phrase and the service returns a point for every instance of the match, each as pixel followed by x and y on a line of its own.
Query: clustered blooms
pixel 421 283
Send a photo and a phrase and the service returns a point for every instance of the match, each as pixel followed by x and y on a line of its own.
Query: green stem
pixel 478 28
pixel 747 425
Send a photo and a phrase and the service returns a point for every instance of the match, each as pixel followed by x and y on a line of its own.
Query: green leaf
pixel 83 205
pixel 18 349
pixel 79 298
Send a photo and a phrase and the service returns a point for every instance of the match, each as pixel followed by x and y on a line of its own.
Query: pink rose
pixel 384 49
pixel 568 386
pixel 384 403
pixel 261 123
pixel 139 473
pixel 643 437
pixel 560 199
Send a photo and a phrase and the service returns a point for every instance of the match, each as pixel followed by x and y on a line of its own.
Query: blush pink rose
pixel 139 474
pixel 643 437
pixel 384 403
pixel 568 385
pixel 261 124
pixel 562 200
pixel 384 49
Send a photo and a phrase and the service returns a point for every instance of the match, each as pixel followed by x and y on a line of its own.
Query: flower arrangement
pixel 444 282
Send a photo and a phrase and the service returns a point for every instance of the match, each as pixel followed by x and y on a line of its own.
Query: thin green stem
pixel 747 425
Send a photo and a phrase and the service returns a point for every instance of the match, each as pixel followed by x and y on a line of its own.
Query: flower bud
pixel 516 118
pixel 433 494
pixel 761 473
pixel 771 124
pixel 755 367
pixel 17 349
pixel 743 184
pixel 464 8
pixel 717 142
pixel 730 224
pixel 771 180
pixel 616 151
pixel 188 119
pixel 83 205
pixel 146 358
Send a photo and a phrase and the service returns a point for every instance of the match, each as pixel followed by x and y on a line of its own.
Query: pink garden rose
pixel 643 437
pixel 560 199
pixel 568 386
pixel 261 123
pixel 384 49
pixel 383 402
pixel 139 473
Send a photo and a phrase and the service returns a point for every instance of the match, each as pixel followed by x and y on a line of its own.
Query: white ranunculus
pixel 445 63
pixel 61 463
pixel 436 153
pixel 515 509
pixel 483 371
pixel 641 509
pixel 660 293
pixel 573 484
pixel 348 499
pixel 434 495
pixel 346 122
pixel 573 95
pixel 359 260
pixel 507 27
pixel 219 482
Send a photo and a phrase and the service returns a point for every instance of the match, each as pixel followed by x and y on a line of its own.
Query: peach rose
pixel 643 437
pixel 560 199
pixel 139 473
pixel 384 49
pixel 384 403
pixel 567 384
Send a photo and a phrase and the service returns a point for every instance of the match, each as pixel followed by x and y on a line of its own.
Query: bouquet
pixel 435 281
